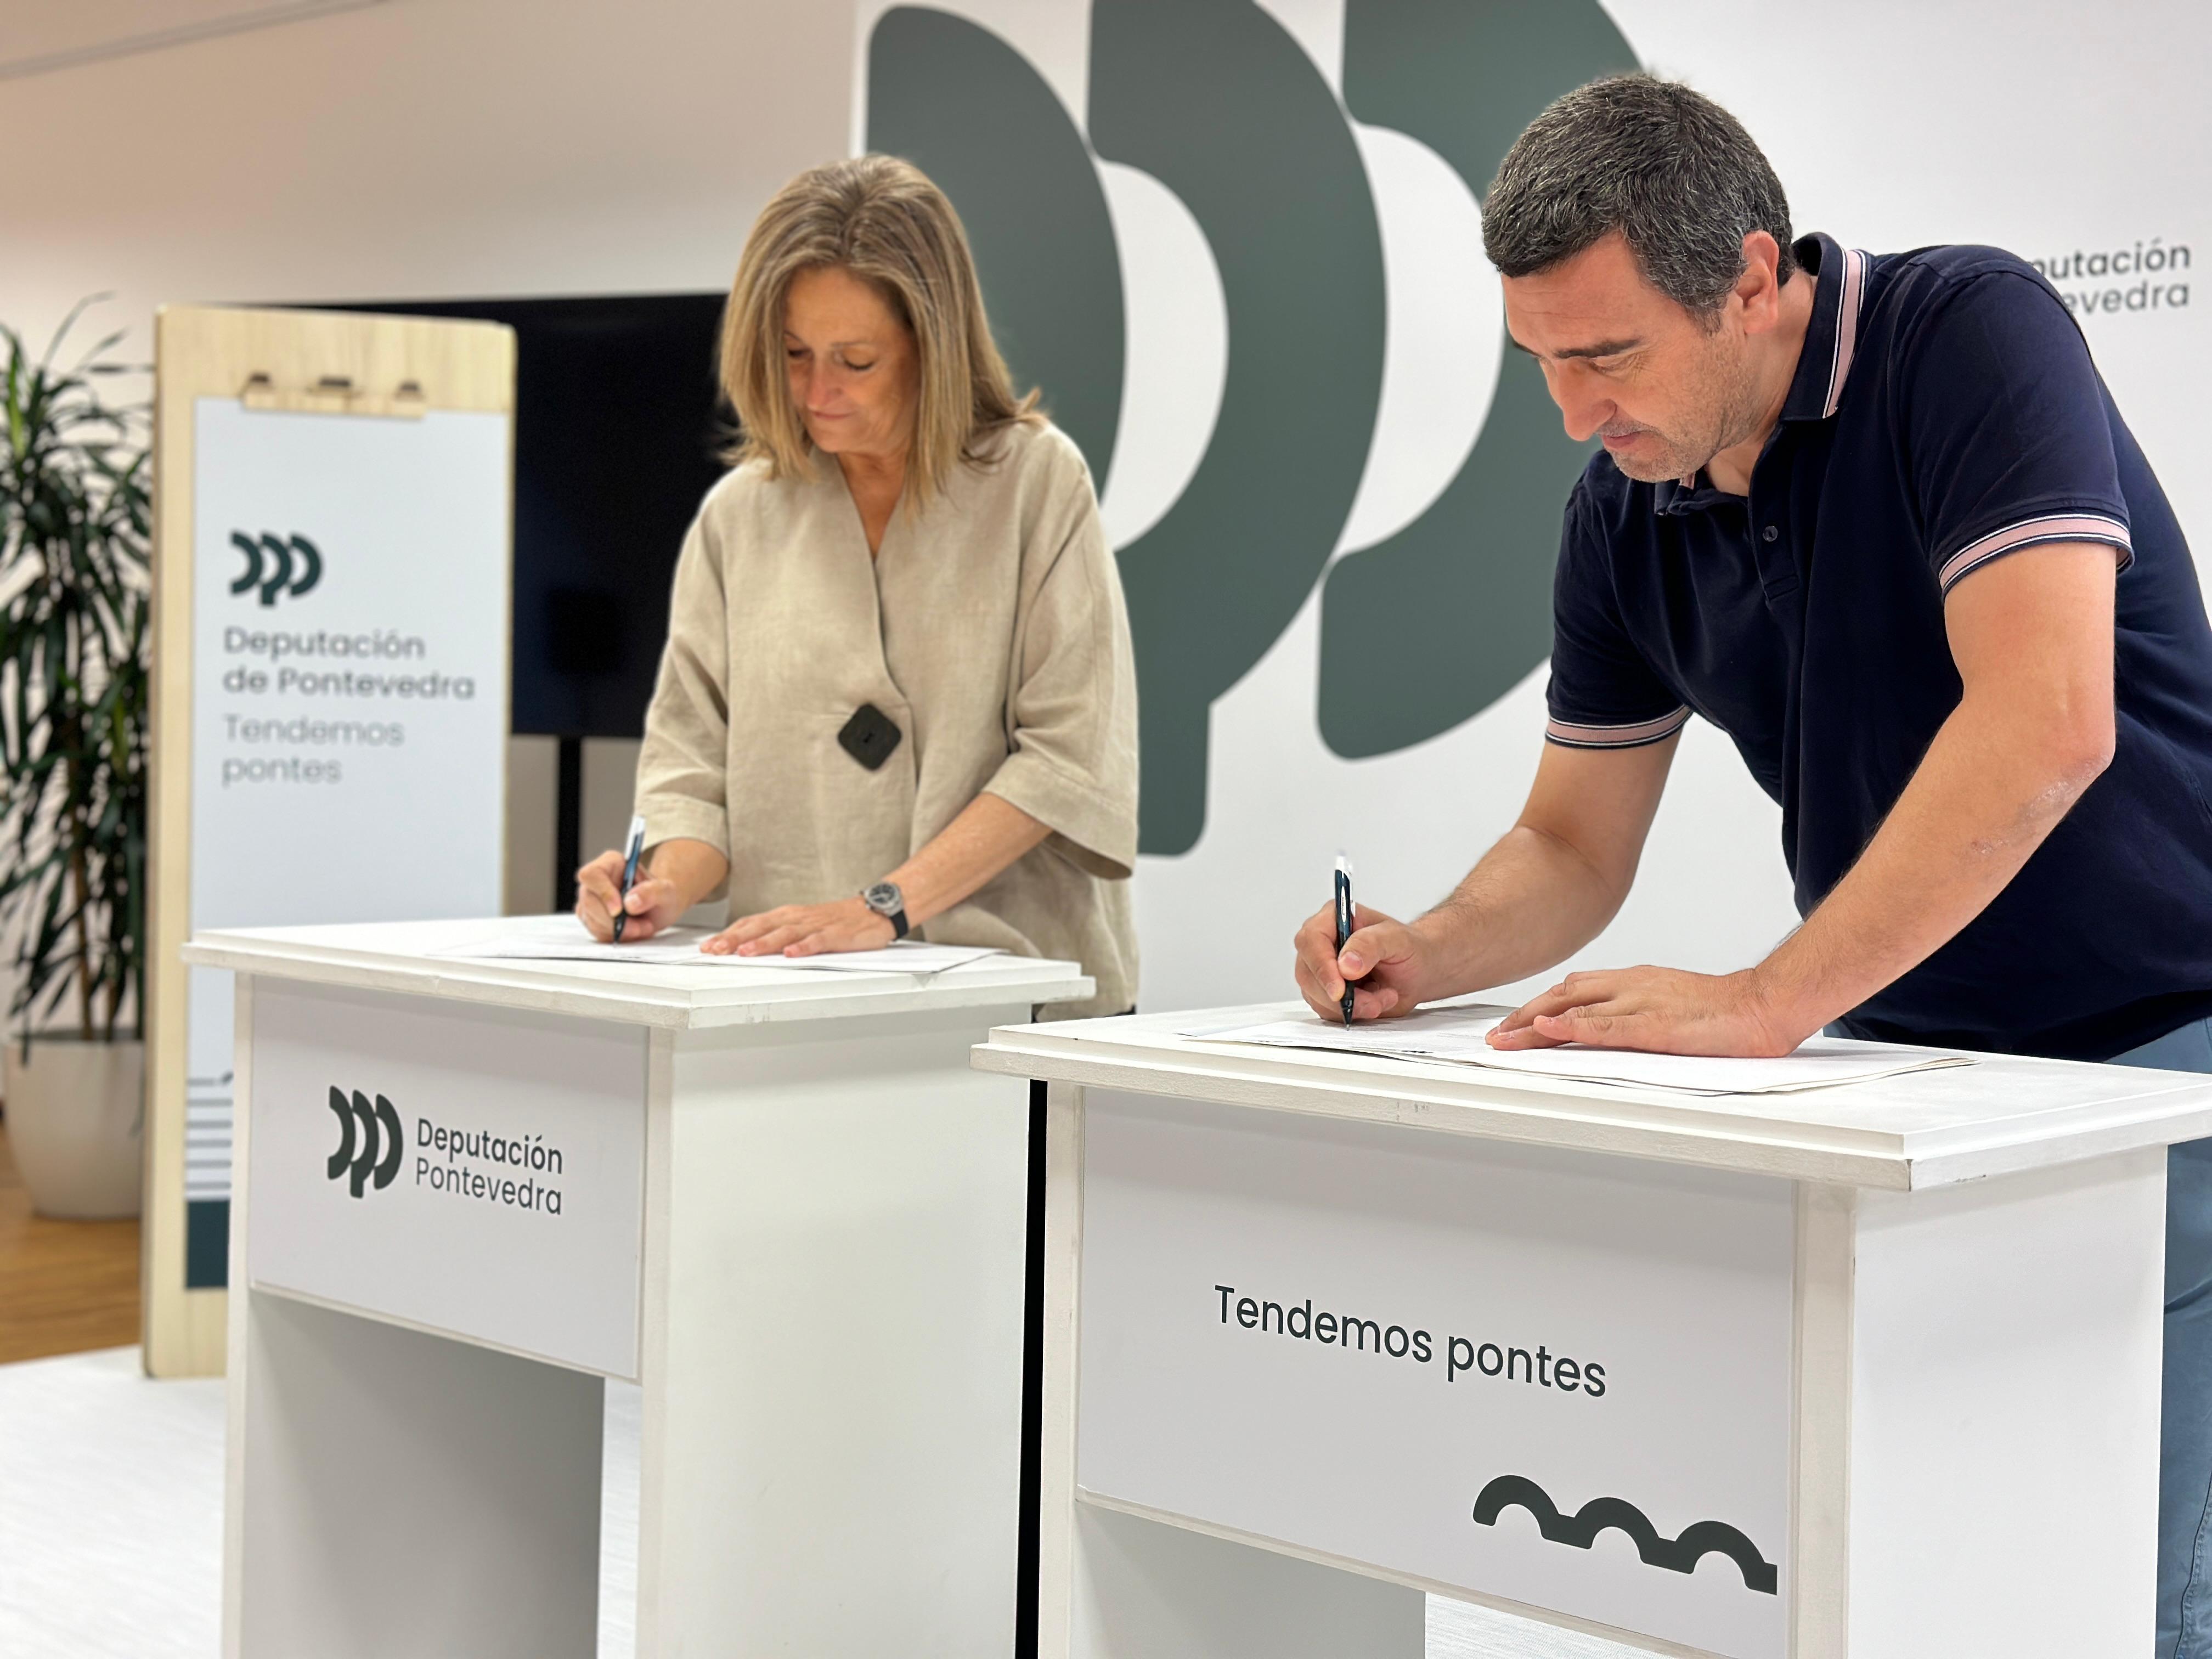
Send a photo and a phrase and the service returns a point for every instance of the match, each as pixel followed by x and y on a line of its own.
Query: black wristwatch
pixel 887 901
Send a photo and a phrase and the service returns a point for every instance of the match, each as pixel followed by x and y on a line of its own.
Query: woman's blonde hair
pixel 881 219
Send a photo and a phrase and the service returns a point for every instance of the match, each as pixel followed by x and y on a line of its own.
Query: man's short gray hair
pixel 1668 167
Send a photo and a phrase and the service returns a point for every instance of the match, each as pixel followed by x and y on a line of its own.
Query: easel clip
pixel 334 394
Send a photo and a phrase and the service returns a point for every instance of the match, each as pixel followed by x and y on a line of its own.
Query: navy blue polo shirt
pixel 1945 413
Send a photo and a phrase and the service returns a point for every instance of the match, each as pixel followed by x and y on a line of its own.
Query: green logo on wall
pixel 1216 101
pixel 277 565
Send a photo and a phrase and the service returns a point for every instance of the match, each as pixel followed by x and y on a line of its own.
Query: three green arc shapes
pixel 276 564
pixel 374 1151
pixel 1580 1531
pixel 1214 100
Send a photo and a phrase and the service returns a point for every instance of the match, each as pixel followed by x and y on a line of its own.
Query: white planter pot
pixel 76 1115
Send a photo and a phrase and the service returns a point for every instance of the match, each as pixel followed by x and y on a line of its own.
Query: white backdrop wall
pixel 421 148
pixel 416 148
pixel 1892 125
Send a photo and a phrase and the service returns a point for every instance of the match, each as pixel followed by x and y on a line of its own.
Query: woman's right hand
pixel 652 903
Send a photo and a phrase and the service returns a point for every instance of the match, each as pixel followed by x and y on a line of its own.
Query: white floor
pixel 111 1524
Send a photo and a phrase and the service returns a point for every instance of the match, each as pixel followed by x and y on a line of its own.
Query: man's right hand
pixel 1383 959
pixel 652 903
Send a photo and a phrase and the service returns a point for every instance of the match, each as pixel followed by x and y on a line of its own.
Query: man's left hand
pixel 803 930
pixel 1661 1011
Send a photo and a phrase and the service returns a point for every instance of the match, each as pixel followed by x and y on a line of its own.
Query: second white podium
pixel 779 1200
pixel 1868 1373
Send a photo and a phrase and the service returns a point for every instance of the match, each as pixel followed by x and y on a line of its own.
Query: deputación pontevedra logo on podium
pixel 277 565
pixel 370 1141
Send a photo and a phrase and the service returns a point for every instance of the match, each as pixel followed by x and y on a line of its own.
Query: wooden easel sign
pixel 333 629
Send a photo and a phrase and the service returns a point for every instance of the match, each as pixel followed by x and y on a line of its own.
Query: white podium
pixel 779 1200
pixel 1869 1371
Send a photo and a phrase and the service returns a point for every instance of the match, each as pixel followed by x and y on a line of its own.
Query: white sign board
pixel 350 690
pixel 1558 1378
pixel 480 1170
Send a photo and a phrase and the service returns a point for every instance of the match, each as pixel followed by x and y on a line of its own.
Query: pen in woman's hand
pixel 635 846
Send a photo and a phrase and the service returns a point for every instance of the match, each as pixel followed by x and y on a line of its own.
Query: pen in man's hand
pixel 629 872
pixel 1343 923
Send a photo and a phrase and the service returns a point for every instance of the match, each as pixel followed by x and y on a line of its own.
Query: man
pixel 1877 518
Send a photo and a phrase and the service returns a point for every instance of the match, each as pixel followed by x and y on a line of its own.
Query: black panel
pixel 616 431
pixel 568 822
pixel 1031 1503
pixel 207 1244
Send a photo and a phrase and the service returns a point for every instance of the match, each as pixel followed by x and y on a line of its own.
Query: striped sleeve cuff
pixel 2049 527
pixel 1632 736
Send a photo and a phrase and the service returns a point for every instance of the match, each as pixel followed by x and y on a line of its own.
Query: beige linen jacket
pixel 990 627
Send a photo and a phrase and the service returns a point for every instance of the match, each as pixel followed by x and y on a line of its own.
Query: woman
pixel 899 695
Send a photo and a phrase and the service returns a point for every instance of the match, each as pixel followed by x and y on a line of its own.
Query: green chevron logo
pixel 277 565
pixel 370 1141
pixel 1218 103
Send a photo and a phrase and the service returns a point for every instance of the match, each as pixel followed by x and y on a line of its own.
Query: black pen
pixel 1343 923
pixel 629 874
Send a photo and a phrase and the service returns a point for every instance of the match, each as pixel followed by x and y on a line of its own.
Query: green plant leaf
pixel 75 513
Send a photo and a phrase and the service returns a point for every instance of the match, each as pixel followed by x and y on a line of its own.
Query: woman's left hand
pixel 803 930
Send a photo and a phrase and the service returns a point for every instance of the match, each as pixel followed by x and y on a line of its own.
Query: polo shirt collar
pixel 1688 495
pixel 1831 339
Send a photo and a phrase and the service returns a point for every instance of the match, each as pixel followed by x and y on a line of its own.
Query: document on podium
pixel 1455 1036
pixel 563 939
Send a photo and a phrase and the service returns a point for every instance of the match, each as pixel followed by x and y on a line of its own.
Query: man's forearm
pixel 1990 787
pixel 1532 901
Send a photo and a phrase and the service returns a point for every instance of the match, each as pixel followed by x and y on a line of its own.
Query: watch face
pixel 884 897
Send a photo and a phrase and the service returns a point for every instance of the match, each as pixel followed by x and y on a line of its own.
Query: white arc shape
pixel 1442 335
pixel 1175 351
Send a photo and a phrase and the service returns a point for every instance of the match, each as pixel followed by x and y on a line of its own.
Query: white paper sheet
pixel 562 938
pixel 1455 1035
